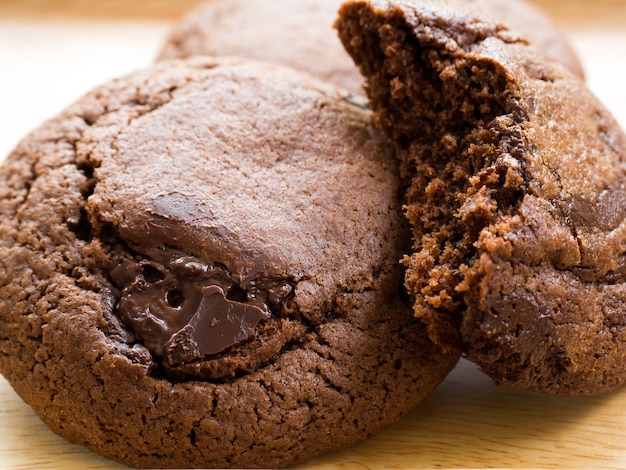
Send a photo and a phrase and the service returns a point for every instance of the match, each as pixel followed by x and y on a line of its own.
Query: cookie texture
pixel 199 267
pixel 531 22
pixel 299 34
pixel 295 33
pixel 516 198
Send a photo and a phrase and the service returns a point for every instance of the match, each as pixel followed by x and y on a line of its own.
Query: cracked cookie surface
pixel 199 267
pixel 516 196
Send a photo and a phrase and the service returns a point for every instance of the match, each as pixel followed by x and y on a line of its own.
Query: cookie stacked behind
pixel 295 33
pixel 200 269
pixel 516 196
pixel 299 34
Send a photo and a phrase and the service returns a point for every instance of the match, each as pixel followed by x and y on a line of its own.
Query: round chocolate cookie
pixel 517 194
pixel 200 268
pixel 299 34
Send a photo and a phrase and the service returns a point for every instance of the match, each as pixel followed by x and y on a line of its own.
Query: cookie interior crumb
pixel 450 120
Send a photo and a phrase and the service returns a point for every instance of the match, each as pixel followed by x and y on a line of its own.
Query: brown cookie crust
pixel 259 168
pixel 516 198
pixel 531 22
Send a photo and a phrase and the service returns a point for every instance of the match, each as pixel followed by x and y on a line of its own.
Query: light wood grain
pixel 52 52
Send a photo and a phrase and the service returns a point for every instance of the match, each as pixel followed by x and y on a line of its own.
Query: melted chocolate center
pixel 184 309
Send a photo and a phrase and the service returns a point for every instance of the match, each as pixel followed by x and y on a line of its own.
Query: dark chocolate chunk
pixel 184 309
pixel 218 324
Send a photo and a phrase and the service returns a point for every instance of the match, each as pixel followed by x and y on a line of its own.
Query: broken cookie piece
pixel 516 193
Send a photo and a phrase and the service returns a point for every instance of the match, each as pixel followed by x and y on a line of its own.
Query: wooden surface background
pixel 566 11
pixel 52 51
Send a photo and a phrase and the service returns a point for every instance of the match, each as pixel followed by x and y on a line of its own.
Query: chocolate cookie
pixel 298 33
pixel 517 194
pixel 200 268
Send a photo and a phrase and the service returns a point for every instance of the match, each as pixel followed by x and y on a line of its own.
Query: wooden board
pixel 52 52
pixel 564 11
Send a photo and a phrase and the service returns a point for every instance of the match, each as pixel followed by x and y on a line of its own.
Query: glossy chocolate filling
pixel 184 309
